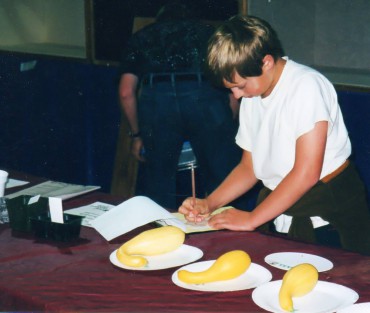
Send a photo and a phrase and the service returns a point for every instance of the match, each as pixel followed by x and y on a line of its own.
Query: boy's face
pixel 249 87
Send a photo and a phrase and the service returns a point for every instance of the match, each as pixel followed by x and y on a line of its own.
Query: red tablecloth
pixel 41 275
pixel 46 276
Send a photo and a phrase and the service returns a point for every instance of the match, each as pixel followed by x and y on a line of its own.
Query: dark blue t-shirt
pixel 173 46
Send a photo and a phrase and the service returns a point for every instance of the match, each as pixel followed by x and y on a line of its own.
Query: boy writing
pixel 293 138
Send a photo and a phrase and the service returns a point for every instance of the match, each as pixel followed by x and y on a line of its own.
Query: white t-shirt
pixel 269 127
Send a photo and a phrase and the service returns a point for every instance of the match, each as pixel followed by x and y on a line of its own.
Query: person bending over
pixel 294 140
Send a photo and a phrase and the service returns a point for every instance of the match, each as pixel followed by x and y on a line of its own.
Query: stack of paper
pixel 54 189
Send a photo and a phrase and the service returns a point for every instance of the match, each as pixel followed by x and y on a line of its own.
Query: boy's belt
pixel 335 173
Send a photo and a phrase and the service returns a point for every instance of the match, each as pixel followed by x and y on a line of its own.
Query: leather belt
pixel 335 173
pixel 173 78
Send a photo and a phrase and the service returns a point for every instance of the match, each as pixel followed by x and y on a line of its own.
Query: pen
pixel 193 188
pixel 193 183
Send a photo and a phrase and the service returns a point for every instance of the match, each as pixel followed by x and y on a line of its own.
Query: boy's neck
pixel 277 71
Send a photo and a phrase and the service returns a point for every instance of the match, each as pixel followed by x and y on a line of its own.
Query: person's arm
pixel 239 181
pixel 310 150
pixel 127 97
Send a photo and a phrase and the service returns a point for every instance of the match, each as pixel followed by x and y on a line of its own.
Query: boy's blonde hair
pixel 239 46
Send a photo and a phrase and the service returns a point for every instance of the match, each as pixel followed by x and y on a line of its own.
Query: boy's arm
pixel 310 149
pixel 239 181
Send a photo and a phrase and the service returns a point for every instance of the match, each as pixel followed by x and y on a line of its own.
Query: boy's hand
pixel 195 212
pixel 232 219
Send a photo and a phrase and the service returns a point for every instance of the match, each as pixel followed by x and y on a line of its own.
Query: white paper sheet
pixel 129 215
pixel 15 183
pixel 34 199
pixel 56 210
pixel 90 212
pixel 180 221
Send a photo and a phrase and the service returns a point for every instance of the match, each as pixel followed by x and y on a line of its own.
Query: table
pixel 40 275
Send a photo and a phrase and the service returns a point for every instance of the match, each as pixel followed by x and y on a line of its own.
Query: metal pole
pixel 243 7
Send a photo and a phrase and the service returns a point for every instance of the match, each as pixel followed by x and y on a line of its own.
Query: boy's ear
pixel 268 61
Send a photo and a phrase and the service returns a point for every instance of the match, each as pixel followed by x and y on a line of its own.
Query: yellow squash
pixel 151 242
pixel 297 282
pixel 228 266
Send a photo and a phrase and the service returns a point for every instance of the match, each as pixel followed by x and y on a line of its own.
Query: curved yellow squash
pixel 228 266
pixel 297 282
pixel 150 242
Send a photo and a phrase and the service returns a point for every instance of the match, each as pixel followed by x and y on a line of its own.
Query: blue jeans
pixel 173 112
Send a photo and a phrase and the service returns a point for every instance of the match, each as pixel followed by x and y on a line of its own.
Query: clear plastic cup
pixel 3 180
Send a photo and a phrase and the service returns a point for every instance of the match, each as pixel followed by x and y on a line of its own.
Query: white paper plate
pixel 286 260
pixel 253 277
pixel 356 308
pixel 324 298
pixel 182 255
